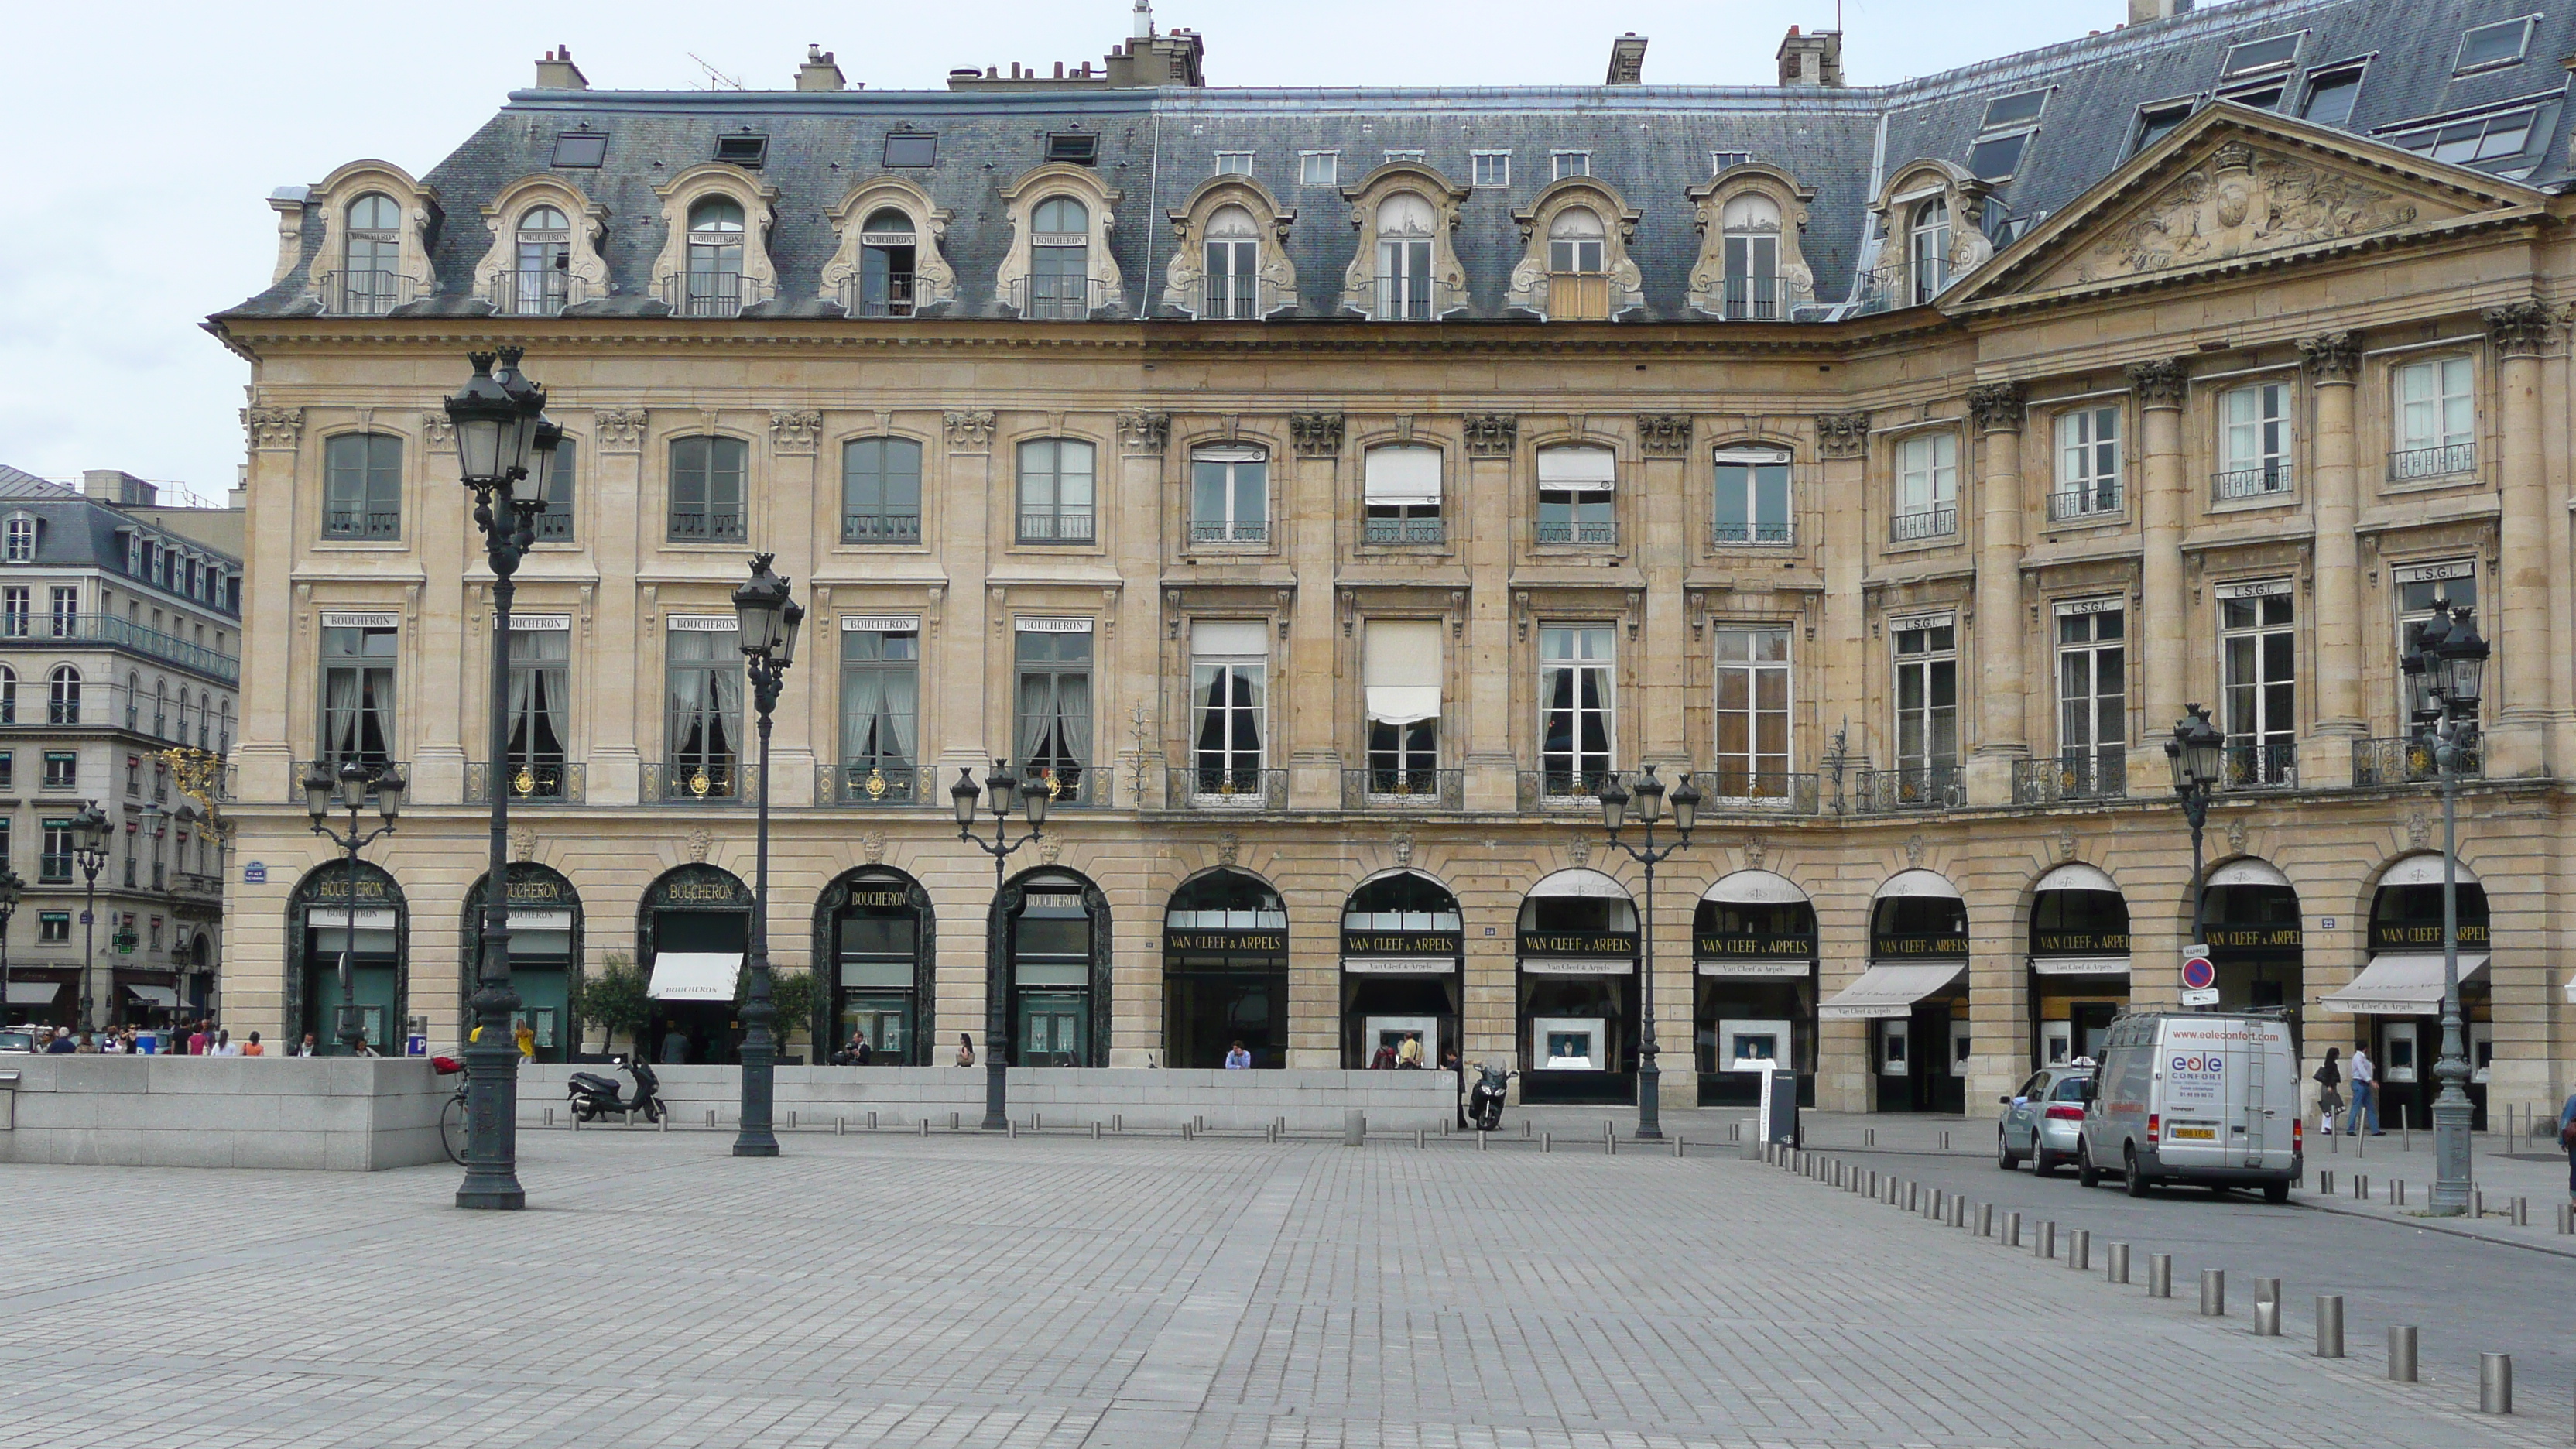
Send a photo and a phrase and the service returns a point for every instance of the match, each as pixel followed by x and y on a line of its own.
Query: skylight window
pixel 2157 122
pixel 1319 168
pixel 2265 97
pixel 1233 163
pixel 2330 96
pixel 2492 45
pixel 2503 135
pixel 1492 168
pixel 1080 147
pixel 747 149
pixel 1571 163
pixel 2259 55
pixel 581 148
pixel 912 149
pixel 1413 156
pixel 2013 110
pixel 1719 161
pixel 1997 157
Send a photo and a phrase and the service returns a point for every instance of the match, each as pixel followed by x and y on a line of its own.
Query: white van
pixel 2195 1097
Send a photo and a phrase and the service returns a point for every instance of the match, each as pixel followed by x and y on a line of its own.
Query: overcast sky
pixel 152 132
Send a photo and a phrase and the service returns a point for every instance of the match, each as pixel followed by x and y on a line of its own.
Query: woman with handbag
pixel 2329 1080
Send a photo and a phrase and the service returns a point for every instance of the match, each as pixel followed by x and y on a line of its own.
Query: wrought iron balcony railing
pixel 891 296
pixel 2261 480
pixel 1225 787
pixel 2435 462
pixel 2094 500
pixel 1921 523
pixel 1751 535
pixel 367 294
pixel 542 293
pixel 1056 525
pixel 706 525
pixel 2098 775
pixel 1884 289
pixel 1059 299
pixel 2261 767
pixel 1908 787
pixel 1415 299
pixel 1747 302
pixel 295 781
pixel 887 787
pixel 1560 788
pixel 1235 299
pixel 1377 789
pixel 540 781
pixel 689 782
pixel 1078 787
pixel 120 634
pixel 881 526
pixel 2407 760
pixel 1728 789
pixel 1601 533
pixel 196 883
pixel 1404 530
pixel 710 294
pixel 361 523
pixel 1237 530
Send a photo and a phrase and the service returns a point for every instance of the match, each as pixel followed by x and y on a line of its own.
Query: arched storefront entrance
pixel 1402 945
pixel 874 928
pixel 691 932
pixel 1225 971
pixel 545 956
pixel 1054 927
pixel 2250 915
pixel 319 924
pixel 2398 996
pixel 1578 990
pixel 2079 963
pixel 1754 939
pixel 1914 995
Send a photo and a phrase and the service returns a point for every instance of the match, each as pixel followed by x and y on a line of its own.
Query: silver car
pixel 17 1041
pixel 2043 1119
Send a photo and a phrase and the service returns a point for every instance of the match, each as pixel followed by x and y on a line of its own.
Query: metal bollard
pixel 2012 1231
pixel 2401 1353
pixel 1525 1127
pixel 925 1126
pixel 1418 1139
pixel 2329 1325
pixel 1985 1220
pixel 2397 1192
pixel 2495 1383
pixel 2267 1307
pixel 2115 1263
pixel 956 1121
pixel 1869 1137
pixel 2477 1202
pixel 2160 1275
pixel 2361 1187
pixel 2213 1293
pixel 1873 1182
pixel 1480 1140
pixel 1945 1141
pixel 2079 1250
pixel 1547 1142
pixel 2567 1218
pixel 1914 1197
pixel 1117 1121
pixel 872 1121
pixel 550 1119
pixel 1095 1131
pixel 711 1116
pixel 2522 1212
pixel 1940 1203
pixel 791 1121
pixel 840 1126
pixel 665 1122
pixel 2043 1241
pixel 1011 1127
pixel 1679 1145
pixel 1958 1212
pixel 2325 1182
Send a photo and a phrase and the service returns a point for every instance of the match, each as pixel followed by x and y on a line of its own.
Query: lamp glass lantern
pixel 486 418
pixel 759 610
pixel 389 794
pixel 1037 792
pixel 545 452
pixel 2197 752
pixel 1650 797
pixel 318 782
pixel 1614 803
pixel 2459 664
pixel 1004 785
pixel 93 830
pixel 963 795
pixel 794 624
pixel 1686 801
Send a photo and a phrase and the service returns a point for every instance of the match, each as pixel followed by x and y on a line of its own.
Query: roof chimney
pixel 1145 20
pixel 1817 60
pixel 818 73
pixel 556 72
pixel 1627 61
pixel 2142 11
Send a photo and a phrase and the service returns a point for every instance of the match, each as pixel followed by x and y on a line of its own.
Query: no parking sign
pixel 2199 978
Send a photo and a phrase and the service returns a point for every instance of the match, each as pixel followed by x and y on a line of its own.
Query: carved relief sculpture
pixel 273 427
pixel 620 430
pixel 1997 406
pixel 1842 435
pixel 1663 435
pixel 1491 435
pixel 1315 435
pixel 2243 200
pixel 2518 329
pixel 2334 357
pixel 2159 383
pixel 970 432
pixel 1143 432
pixel 793 430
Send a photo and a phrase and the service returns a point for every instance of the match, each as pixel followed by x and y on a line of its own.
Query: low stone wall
pixel 1312 1101
pixel 320 1114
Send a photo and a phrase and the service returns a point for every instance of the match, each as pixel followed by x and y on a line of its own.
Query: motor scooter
pixel 594 1096
pixel 1485 1099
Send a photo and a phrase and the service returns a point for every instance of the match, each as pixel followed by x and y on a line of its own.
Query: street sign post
pixel 2199 977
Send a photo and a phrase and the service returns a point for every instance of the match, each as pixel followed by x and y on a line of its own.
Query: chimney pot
pixel 556 72
pixel 819 72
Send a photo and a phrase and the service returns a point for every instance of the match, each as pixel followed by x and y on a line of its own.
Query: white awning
pixel 1889 990
pixel 1580 470
pixel 1584 884
pixel 1403 475
pixel 1399 965
pixel 1755 888
pixel 2248 873
pixel 1580 966
pixel 33 993
pixel 2080 965
pixel 1402 671
pixel 694 975
pixel 1211 638
pixel 1929 883
pixel 2424 870
pixel 2395 985
pixel 2076 877
pixel 154 995
pixel 322 918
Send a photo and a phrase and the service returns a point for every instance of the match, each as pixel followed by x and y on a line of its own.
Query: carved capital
pixel 1142 432
pixel 1663 435
pixel 2159 383
pixel 437 429
pixel 1316 435
pixel 1491 435
pixel 1842 435
pixel 970 432
pixel 273 427
pixel 1997 406
pixel 620 430
pixel 793 430
pixel 2333 357
pixel 2518 329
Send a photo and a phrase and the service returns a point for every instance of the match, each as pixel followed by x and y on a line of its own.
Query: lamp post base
pixel 500 1200
pixel 997 1112
pixel 2452 1179
pixel 1650 1104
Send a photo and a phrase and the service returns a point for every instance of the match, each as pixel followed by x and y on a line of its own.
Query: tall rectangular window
pixel 62 770
pixel 707 489
pixel 1575 724
pixel 357 694
pixel 1402 497
pixel 703 712
pixel 66 612
pixel 1229 495
pixel 2436 419
pixel 880 709
pixel 1752 273
pixel 553 526
pixel 540 705
pixel 2254 440
pixel 2330 96
pixel 1752 498
pixel 54 865
pixel 1054 705
pixel 2259 651
pixel 14 610
pixel 361 490
pixel 2092 695
pixel 881 491
pixel 1229 708
pixel 1402 678
pixel 1752 757
pixel 54 928
pixel 1927 486
pixel 1056 491
pixel 2423 590
pixel 1230 288
pixel 1575 499
pixel 1927 708
pixel 2088 463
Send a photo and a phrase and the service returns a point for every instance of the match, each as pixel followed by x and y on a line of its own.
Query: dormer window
pixel 1060 259
pixel 912 149
pixel 371 258
pixel 1233 256
pixel 2500 44
pixel 541 266
pixel 714 286
pixel 1574 242
pixel 747 150
pixel 2330 96
pixel 885 280
pixel 1079 147
pixel 19 545
pixel 1405 223
pixel 581 148
pixel 2261 55
pixel 1928 249
pixel 1752 241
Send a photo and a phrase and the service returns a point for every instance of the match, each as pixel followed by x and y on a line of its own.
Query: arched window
pixel 1060 260
pixel 63 706
pixel 1233 256
pixel 21 544
pixel 224 740
pixel 707 489
pixel 133 698
pixel 715 259
pixel 1405 223
pixel 183 716
pixel 881 491
pixel 371 257
pixel 1929 249
pixel 1751 227
pixel 886 252
pixel 160 706
pixel 543 261
pixel 1574 241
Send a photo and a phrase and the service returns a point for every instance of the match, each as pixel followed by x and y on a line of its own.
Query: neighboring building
pixel 1326 486
pixel 120 632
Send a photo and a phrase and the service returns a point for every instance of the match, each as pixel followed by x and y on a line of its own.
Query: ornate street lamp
pixel 91 836
pixel 11 887
pixel 997 1008
pixel 769 619
pixel 2198 754
pixel 502 440
pixel 2450 659
pixel 347 787
pixel 1648 800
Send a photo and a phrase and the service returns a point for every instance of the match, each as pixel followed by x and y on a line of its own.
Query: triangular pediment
pixel 2234 187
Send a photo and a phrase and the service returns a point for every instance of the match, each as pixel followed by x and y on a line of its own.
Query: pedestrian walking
pixel 1237 1059
pixel 252 1048
pixel 675 1048
pixel 223 1046
pixel 88 1045
pixel 2329 1091
pixel 1384 1059
pixel 965 1050
pixel 2365 1096
pixel 1408 1057
pixel 197 1040
pixel 62 1045
pixel 862 1051
pixel 2567 1139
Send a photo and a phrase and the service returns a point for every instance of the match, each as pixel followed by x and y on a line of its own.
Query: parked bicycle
pixel 451 1118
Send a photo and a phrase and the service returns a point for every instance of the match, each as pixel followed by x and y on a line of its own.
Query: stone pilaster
pixel 1842 443
pixel 1485 518
pixel 793 438
pixel 969 632
pixel 1317 716
pixel 2163 630
pixel 263 756
pixel 2000 680
pixel 2334 365
pixel 2521 630
pixel 1664 543
pixel 616 520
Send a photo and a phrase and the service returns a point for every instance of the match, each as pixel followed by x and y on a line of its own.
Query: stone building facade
pixel 1323 488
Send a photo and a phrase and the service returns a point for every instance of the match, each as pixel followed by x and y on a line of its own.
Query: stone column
pixel 1842 442
pixel 2521 631
pixel 1666 541
pixel 1999 679
pixel 612 772
pixel 783 520
pixel 1321 707
pixel 2334 364
pixel 2163 631
pixel 1484 515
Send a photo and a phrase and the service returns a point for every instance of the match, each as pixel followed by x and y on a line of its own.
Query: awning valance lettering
pixel 2080 965
pixel 2424 870
pixel 1886 991
pixel 1927 883
pixel 694 975
pixel 2076 876
pixel 154 995
pixel 2399 985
